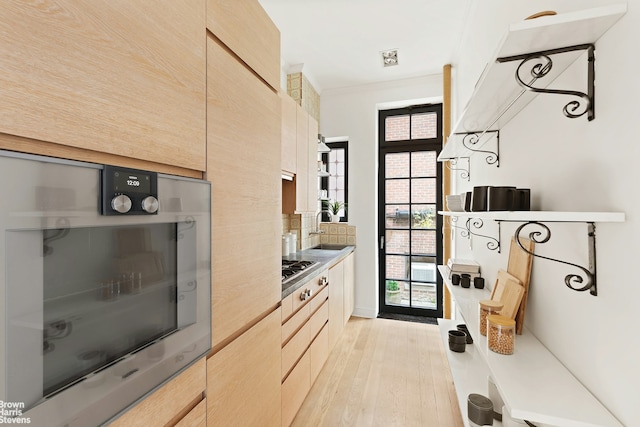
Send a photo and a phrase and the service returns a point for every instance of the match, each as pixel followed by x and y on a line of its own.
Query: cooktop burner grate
pixel 293 268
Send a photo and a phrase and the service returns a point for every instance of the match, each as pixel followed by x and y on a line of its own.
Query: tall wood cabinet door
pixel 349 286
pixel 336 303
pixel 121 77
pixel 248 31
pixel 289 134
pixel 243 379
pixel 302 175
pixel 312 147
pixel 243 165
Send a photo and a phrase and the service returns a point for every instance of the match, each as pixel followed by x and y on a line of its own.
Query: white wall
pixel 353 112
pixel 572 165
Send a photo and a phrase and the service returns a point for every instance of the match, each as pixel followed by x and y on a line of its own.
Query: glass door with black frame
pixel 409 198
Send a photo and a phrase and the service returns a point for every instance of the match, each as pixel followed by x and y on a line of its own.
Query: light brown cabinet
pixel 301 195
pixel 305 343
pixel 117 77
pixel 289 158
pixel 336 303
pixel 243 379
pixel 243 165
pixel 177 398
pixel 246 29
pixel 349 286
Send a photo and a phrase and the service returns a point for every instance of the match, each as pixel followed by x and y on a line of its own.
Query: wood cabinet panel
pixel 318 353
pixel 164 404
pixel 296 346
pixel 302 175
pixel 312 162
pixel 319 299
pixel 289 133
pixel 243 164
pixel 115 76
pixel 294 323
pixel 318 319
pixel 248 31
pixel 349 286
pixel 243 379
pixel 295 389
pixel 197 417
pixel 336 303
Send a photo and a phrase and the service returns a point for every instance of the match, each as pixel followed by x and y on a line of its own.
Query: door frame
pixel 384 147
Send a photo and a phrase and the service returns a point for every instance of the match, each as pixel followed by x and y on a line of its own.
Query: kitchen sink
pixel 330 247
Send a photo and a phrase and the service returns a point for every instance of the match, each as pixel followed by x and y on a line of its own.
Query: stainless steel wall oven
pixel 105 274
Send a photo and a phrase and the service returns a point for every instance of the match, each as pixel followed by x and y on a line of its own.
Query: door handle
pixel 381 242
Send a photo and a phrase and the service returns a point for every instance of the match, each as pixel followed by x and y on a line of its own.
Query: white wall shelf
pixel 469 370
pixel 586 280
pixel 534 385
pixel 498 96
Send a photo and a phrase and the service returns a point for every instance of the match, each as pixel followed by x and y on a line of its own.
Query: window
pixel 336 185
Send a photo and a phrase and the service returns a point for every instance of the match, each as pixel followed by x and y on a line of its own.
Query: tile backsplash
pixel 303 224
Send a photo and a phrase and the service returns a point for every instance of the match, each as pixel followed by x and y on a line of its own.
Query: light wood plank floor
pixel 384 373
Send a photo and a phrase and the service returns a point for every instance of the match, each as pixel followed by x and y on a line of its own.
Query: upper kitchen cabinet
pixel 301 195
pixel 246 29
pixel 113 76
pixel 289 132
pixel 243 165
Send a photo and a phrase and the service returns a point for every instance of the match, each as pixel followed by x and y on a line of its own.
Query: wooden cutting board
pixel 509 291
pixel 519 266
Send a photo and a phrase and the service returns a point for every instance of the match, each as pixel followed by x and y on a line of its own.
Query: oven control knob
pixel 121 203
pixel 150 204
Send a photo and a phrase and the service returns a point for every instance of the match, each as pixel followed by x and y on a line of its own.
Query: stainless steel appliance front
pixel 99 309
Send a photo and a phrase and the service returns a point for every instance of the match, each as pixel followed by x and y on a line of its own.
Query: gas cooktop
pixel 294 268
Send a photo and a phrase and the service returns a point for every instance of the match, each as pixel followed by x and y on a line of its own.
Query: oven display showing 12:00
pixel 133 182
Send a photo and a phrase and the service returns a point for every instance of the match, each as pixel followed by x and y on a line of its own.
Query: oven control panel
pixel 128 191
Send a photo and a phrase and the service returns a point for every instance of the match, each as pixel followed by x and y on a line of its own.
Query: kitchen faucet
pixel 318 231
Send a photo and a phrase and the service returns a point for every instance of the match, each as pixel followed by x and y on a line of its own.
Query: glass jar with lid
pixel 501 332
pixel 487 308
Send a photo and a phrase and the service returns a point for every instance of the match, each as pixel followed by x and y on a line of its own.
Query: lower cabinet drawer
pixel 295 389
pixel 319 352
pixel 294 348
pixel 319 318
pixel 197 417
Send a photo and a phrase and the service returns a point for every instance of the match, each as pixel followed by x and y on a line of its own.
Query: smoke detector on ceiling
pixel 389 57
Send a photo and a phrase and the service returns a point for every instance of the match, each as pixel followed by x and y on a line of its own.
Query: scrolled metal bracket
pixel 493 244
pixel 585 281
pixel 464 173
pixel 471 139
pixel 453 220
pixel 539 64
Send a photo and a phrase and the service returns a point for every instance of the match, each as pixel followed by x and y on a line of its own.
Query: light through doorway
pixel 410 230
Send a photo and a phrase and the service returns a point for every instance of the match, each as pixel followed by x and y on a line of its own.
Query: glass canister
pixel 501 332
pixel 487 308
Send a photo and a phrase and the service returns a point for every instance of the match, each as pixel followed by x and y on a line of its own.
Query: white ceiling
pixel 339 41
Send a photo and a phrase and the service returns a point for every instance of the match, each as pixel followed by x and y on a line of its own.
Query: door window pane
pixel 424 126
pixel 423 242
pixel 423 190
pixel 423 216
pixel 397 191
pixel 423 164
pixel 397 216
pixel 397 242
pixel 397 267
pixel 396 165
pixel 396 128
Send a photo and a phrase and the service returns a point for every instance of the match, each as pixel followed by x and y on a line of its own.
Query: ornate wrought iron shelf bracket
pixel 471 139
pixel 540 64
pixel 453 220
pixel 476 223
pixel 464 173
pixel 584 281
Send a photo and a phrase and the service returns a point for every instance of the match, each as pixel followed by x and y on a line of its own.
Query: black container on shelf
pixel 523 199
pixel 501 198
pixel 467 201
pixel 479 198
pixel 465 280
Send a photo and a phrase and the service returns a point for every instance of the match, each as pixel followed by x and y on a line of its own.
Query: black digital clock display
pixel 131 182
